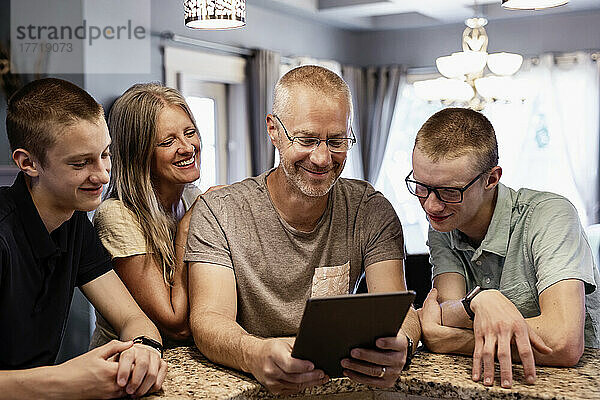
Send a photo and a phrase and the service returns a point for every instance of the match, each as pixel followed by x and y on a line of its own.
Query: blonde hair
pixel 132 124
pixel 454 132
pixel 314 77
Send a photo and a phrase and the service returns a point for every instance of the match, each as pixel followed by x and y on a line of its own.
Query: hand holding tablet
pixel 332 327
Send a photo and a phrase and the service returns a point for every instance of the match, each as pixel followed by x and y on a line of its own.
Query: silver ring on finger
pixel 382 372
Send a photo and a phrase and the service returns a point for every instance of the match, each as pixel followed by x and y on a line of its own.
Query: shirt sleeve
pixel 557 246
pixel 94 259
pixel 442 256
pixel 119 230
pixel 383 239
pixel 206 239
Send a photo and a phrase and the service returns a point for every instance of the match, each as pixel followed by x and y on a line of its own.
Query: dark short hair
pixel 455 132
pixel 37 112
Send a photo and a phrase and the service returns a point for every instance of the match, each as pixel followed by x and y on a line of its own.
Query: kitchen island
pixel 191 375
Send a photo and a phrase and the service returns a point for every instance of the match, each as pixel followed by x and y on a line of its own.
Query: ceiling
pixel 406 14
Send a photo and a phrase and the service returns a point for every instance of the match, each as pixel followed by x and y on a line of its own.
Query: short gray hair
pixel 314 77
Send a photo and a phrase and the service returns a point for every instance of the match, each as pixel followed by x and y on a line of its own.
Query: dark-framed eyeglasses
pixel 335 144
pixel 443 193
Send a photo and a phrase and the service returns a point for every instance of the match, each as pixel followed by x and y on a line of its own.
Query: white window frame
pixel 216 92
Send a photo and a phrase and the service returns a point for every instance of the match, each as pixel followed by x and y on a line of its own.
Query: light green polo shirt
pixel 534 240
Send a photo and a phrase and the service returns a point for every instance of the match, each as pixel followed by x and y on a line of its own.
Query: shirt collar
pixel 42 244
pixel 497 235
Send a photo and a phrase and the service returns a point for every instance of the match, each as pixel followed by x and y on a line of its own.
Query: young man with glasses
pixel 513 274
pixel 259 248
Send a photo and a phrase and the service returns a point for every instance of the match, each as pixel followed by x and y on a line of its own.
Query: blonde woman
pixel 143 221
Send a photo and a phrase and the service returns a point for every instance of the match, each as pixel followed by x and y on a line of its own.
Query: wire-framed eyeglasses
pixel 443 193
pixel 335 144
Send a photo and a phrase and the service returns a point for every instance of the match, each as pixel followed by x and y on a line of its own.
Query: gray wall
pixel 78 79
pixel 265 29
pixel 528 36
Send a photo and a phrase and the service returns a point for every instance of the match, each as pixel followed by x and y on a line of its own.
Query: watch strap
pixel 149 342
pixel 467 301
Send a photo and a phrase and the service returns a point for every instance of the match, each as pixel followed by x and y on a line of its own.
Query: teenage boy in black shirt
pixel 60 141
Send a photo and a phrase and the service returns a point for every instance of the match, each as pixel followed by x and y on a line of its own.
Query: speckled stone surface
pixel 191 375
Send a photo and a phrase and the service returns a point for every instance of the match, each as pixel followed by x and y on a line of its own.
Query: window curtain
pixel 374 93
pixel 558 150
pixel 355 78
pixel 263 73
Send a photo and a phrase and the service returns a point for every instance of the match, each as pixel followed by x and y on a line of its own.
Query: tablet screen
pixel 332 326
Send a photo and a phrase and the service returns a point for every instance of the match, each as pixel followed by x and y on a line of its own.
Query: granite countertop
pixel 191 375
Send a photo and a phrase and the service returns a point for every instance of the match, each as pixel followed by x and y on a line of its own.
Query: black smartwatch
pixel 468 298
pixel 149 342
pixel 409 352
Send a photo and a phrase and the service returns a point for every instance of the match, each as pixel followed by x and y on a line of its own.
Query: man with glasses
pixel 513 274
pixel 259 248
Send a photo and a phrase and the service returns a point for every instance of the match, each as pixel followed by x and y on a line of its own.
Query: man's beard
pixel 296 177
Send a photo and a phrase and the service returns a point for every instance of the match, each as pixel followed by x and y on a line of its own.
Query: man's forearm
pixel 34 383
pixel 449 340
pixel 454 315
pixel 223 340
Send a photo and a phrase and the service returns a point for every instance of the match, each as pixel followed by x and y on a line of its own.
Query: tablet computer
pixel 332 326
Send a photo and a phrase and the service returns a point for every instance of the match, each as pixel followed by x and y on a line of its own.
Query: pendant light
pixel 215 14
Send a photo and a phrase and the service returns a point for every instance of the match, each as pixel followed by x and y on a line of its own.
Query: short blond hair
pixel 454 132
pixel 314 77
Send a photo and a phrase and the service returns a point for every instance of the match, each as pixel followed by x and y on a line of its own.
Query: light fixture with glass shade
pixel 532 4
pixel 214 14
pixel 463 80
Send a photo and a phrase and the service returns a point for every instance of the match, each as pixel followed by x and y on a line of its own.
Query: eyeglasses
pixel 335 145
pixel 443 193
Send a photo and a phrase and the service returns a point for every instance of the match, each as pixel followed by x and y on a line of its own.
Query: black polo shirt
pixel 38 273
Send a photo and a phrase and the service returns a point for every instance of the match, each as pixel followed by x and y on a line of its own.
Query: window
pixel 411 112
pixel 203 109
pixel 208 104
pixel 549 143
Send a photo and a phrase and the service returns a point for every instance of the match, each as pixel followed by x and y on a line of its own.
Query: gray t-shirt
pixel 534 240
pixel 278 267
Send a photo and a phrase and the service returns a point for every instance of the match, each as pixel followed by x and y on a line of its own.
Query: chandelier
pixel 464 81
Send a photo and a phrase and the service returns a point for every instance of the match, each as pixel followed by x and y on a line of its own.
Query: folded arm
pixel 140 367
pixel 555 337
pixel 560 324
pixel 166 305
